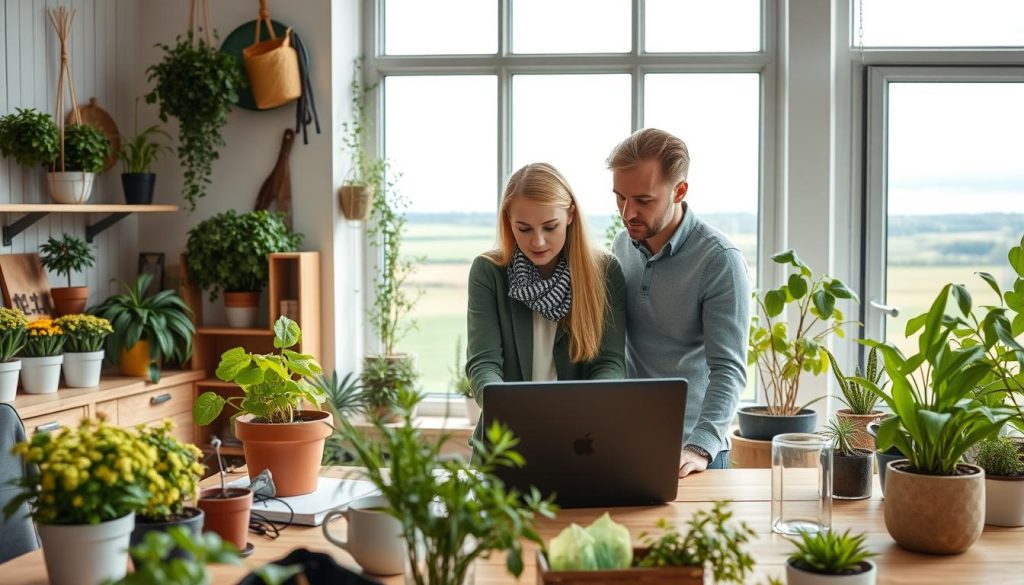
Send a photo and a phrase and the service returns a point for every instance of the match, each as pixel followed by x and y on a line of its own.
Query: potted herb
pixel 13 332
pixel 344 398
pixel 830 558
pixel 147 329
pixel 383 380
pixel 1002 458
pixel 83 348
pixel 64 256
pixel 158 558
pixel 276 433
pixel 851 466
pixel 471 513
pixel 784 353
pixel 460 384
pixel 228 252
pixel 860 402
pixel 84 507
pixel 366 174
pixel 29 137
pixel 42 357
pixel 197 84
pixel 85 150
pixel 137 156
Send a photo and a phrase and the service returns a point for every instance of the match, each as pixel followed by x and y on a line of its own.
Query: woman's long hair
pixel 542 183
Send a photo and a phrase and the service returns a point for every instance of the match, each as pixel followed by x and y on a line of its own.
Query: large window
pixel 468 100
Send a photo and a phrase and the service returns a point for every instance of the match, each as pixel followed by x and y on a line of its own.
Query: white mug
pixel 374 537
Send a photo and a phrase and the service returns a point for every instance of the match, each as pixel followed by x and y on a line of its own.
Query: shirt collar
pixel 675 243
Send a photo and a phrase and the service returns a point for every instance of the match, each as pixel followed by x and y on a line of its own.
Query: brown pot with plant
pixel 365 173
pixel 860 402
pixel 63 256
pixel 226 510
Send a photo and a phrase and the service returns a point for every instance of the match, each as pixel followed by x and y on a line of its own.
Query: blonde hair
pixel 653 144
pixel 541 183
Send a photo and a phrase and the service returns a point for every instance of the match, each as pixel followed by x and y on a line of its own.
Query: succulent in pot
pixel 830 557
pixel 851 466
pixel 860 402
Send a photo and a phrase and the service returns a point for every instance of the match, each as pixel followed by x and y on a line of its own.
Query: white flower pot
pixel 71 186
pixel 82 370
pixel 41 375
pixel 797 576
pixel 9 380
pixel 86 554
pixel 1004 501
pixel 241 308
pixel 472 410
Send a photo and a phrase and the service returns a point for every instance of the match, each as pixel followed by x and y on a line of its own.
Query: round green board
pixel 239 39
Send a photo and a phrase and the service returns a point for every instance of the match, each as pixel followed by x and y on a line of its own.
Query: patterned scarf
pixel 550 297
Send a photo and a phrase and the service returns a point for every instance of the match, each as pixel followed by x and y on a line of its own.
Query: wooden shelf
pixel 234 331
pixel 36 211
pixel 215 383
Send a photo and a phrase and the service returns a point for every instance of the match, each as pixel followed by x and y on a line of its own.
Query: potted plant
pixel 851 466
pixel 471 513
pixel 366 174
pixel 934 500
pixel 229 252
pixel 137 156
pixel 226 510
pixel 197 84
pixel 13 331
pixel 276 433
pixel 860 402
pixel 1002 458
pixel 64 256
pixel 83 348
pixel 42 357
pixel 830 558
pixel 344 397
pixel 383 380
pixel 158 559
pixel 85 149
pixel 147 329
pixel 460 384
pixel 83 486
pixel 783 353
pixel 30 137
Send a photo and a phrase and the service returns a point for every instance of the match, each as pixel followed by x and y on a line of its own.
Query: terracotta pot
pixel 749 453
pixel 135 361
pixel 934 514
pixel 861 439
pixel 69 300
pixel 227 516
pixel 356 202
pixel 1004 500
pixel 241 308
pixel 291 451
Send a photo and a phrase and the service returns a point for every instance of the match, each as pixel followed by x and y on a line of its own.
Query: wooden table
pixel 996 558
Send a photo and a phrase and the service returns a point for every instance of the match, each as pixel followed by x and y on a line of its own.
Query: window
pixel 467 101
pixel 940 23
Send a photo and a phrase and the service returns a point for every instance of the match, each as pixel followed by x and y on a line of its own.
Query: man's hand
pixel 690 462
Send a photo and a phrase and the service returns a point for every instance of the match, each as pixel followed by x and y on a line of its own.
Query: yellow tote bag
pixel 272 67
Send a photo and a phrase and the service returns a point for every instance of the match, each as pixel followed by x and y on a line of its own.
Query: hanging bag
pixel 272 66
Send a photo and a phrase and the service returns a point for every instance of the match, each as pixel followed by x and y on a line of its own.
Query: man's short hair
pixel 653 144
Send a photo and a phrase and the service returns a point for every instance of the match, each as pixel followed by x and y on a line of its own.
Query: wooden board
pixel 25 285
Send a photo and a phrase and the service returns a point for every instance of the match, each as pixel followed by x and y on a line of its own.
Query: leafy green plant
pixel 85 149
pixel 140 152
pixel 66 255
pixel 842 432
pixel 711 537
pixel 229 250
pixel 30 137
pixel 830 553
pixel 467 503
pixel 383 379
pixel 460 381
pixel 273 385
pixel 13 333
pixel 197 84
pixel 162 319
pixel 156 565
pixel 859 399
pixel 84 333
pixel 344 398
pixel 364 169
pixel 781 355
pixel 1000 456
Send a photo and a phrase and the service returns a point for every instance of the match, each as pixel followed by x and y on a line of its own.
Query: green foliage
pixel 612 230
pixel 273 385
pixel 162 319
pixel 229 250
pixel 13 332
pixel 467 503
pixel 1000 456
pixel 859 399
pixel 197 84
pixel 460 381
pixel 384 378
pixel 344 398
pixel 711 537
pixel 139 153
pixel 66 255
pixel 842 432
pixel 782 356
pixel 85 149
pixel 364 169
pixel 29 136
pixel 155 564
pixel 829 552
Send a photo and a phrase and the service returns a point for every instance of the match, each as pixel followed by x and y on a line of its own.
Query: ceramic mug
pixel 374 538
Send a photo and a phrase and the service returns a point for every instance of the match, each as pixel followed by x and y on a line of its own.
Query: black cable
pixel 305 106
pixel 259 524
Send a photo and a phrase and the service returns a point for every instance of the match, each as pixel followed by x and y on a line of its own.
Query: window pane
pixel 694 26
pixel 572 122
pixel 440 27
pixel 955 189
pixel 941 23
pixel 448 161
pixel 571 26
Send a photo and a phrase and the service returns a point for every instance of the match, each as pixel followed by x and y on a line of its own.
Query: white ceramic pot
pixel 41 375
pixel 472 410
pixel 1004 501
pixel 82 370
pixel 78 554
pixel 70 187
pixel 9 380
pixel 797 576
pixel 241 308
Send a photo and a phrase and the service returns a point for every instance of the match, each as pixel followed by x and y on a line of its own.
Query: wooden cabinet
pixel 69 417
pixel 155 405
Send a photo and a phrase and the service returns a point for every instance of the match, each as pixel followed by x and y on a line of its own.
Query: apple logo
pixel 584 445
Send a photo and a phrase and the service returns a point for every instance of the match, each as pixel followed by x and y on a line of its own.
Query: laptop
pixel 593 443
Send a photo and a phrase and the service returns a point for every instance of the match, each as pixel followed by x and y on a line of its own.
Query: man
pixel 687 293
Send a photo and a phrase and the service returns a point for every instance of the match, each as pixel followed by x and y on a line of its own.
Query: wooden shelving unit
pixel 33 212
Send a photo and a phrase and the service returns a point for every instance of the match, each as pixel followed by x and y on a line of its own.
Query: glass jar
pixel 801 483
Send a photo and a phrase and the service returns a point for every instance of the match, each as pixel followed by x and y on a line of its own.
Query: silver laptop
pixel 593 443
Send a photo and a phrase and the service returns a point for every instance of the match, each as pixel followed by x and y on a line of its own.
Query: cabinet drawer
pixel 107 408
pixel 154 405
pixel 56 420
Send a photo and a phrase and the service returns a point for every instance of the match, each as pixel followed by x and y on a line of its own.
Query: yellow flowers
pixel 85 333
pixel 13 326
pixel 44 328
pixel 12 319
pixel 45 338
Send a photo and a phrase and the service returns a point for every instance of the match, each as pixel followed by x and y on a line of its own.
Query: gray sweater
pixel 688 315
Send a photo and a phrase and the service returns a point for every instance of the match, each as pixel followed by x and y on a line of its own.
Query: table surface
pixel 996 558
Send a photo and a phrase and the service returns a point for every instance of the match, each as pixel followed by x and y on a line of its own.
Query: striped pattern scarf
pixel 550 297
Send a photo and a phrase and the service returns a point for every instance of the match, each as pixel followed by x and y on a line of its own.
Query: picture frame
pixel 152 263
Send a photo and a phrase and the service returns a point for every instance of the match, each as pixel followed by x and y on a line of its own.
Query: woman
pixel 546 304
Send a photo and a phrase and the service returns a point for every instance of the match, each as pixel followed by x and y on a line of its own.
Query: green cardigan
pixel 500 342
